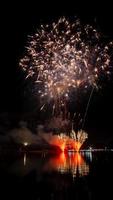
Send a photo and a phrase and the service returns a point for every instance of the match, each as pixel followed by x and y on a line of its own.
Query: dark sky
pixel 19 20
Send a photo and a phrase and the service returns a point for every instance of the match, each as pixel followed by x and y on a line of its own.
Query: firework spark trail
pixel 42 107
pixel 87 107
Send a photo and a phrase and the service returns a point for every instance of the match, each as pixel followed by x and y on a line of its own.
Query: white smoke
pixel 23 134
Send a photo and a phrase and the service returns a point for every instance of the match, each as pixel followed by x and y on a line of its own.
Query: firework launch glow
pixel 73 141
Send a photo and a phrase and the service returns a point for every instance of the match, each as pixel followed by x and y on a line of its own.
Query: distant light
pixel 25 143
pixel 90 148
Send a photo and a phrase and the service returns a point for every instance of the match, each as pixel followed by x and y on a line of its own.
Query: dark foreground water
pixel 64 176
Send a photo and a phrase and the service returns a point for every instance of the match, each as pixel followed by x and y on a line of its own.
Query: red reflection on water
pixel 71 162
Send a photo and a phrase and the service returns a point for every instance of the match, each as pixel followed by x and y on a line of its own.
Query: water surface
pixel 85 175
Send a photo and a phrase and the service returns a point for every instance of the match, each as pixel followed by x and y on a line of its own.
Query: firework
pixel 61 58
pixel 64 56
pixel 73 141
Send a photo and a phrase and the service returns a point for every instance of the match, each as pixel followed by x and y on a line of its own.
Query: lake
pixel 84 175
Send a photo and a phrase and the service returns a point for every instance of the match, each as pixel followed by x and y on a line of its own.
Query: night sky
pixel 20 20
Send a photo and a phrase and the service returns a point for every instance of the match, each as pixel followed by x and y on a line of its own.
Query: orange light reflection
pixel 71 162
